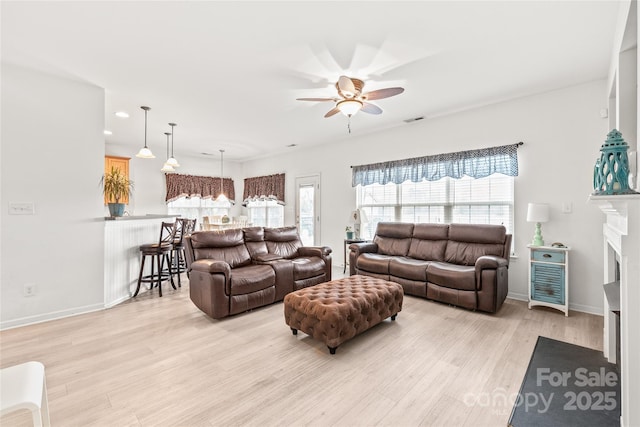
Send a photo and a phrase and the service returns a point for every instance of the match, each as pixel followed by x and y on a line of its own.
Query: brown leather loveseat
pixel 460 264
pixel 232 271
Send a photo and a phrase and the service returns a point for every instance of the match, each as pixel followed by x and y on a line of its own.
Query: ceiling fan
pixel 351 99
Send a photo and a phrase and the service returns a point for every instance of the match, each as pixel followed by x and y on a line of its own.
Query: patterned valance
pixel 206 187
pixel 474 163
pixel 270 187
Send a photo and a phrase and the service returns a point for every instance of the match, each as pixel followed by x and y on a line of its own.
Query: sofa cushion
pixel 304 268
pixel 252 278
pixel 393 238
pixel 469 242
pixel 374 263
pixel 452 276
pixel 429 242
pixel 283 241
pixel 254 241
pixel 227 245
pixel 409 268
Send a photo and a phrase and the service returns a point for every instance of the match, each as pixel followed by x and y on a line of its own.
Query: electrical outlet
pixel 29 290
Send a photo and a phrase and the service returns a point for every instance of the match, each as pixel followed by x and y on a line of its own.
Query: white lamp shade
pixel 171 161
pixel 538 212
pixel 358 216
pixel 145 153
pixel 167 168
pixel 349 107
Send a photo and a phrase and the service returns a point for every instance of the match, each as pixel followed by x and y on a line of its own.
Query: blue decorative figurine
pixel 611 173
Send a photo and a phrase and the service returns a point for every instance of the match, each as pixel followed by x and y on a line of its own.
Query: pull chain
pixel 349 124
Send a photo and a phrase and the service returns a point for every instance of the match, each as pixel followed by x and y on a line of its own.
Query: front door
pixel 308 209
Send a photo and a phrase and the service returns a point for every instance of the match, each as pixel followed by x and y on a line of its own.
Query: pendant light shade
pixel 172 160
pixel 144 152
pixel 167 168
pixel 221 197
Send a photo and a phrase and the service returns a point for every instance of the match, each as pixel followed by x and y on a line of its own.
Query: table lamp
pixel 538 213
pixel 358 217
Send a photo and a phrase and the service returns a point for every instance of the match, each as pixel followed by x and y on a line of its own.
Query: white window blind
pixel 265 213
pixel 465 201
pixel 197 207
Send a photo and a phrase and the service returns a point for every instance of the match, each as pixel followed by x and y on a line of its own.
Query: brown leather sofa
pixel 460 264
pixel 232 271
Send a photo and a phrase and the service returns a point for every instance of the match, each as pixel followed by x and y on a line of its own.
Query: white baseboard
pixel 31 320
pixel 574 307
pixel 518 297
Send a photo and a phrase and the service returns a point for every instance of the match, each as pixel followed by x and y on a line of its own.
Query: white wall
pixel 562 132
pixel 149 182
pixel 60 249
pixel 52 156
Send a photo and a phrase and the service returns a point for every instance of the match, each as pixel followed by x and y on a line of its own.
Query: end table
pixel 347 242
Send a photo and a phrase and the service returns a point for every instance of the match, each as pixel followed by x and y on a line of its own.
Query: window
pixel 265 213
pixel 465 201
pixel 196 207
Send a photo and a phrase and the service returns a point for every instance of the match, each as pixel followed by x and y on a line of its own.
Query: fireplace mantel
pixel 621 232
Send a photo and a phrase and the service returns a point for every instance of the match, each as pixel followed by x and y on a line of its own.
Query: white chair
pixel 242 220
pixel 24 387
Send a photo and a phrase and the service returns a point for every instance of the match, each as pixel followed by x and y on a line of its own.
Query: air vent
pixel 415 119
pixel 291 145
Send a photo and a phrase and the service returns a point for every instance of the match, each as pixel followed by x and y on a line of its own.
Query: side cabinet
pixel 549 277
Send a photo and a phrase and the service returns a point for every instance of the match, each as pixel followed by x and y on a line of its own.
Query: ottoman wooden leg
pixel 394 317
pixel 332 350
pixel 295 331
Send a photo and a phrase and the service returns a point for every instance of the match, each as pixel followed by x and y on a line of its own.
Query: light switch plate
pixel 22 208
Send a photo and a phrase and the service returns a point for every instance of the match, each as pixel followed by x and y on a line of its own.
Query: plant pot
pixel 349 234
pixel 116 209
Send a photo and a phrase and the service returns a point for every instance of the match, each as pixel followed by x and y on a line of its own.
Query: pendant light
pixel 167 168
pixel 221 197
pixel 144 152
pixel 171 161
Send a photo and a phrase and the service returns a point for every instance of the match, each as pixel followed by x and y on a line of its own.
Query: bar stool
pixel 183 227
pixel 24 387
pixel 159 253
pixel 177 247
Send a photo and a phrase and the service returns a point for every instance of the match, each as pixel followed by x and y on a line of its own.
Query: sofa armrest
pixel 361 248
pixel 356 249
pixel 212 266
pixel 486 262
pixel 319 251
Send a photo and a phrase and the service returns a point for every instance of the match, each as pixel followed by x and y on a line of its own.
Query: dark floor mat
pixel 567 385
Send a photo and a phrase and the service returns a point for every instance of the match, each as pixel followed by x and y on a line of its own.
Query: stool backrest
pixel 167 233
pixel 183 227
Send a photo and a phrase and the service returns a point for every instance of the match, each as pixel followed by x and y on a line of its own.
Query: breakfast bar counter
pixel 122 239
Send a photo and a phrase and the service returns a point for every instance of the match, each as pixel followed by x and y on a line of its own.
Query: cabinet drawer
pixel 547 256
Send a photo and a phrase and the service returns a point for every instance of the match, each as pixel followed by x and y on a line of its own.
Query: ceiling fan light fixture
pixel 349 107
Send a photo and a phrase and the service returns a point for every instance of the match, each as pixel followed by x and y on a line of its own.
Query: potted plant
pixel 116 186
pixel 349 232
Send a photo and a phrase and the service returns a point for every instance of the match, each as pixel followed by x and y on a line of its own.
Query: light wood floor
pixel 160 361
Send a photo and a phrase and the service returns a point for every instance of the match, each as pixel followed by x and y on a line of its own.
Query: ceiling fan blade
pixel 331 112
pixel 383 93
pixel 370 108
pixel 315 99
pixel 346 86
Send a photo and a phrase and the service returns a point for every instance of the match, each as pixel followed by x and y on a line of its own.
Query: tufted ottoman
pixel 336 311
